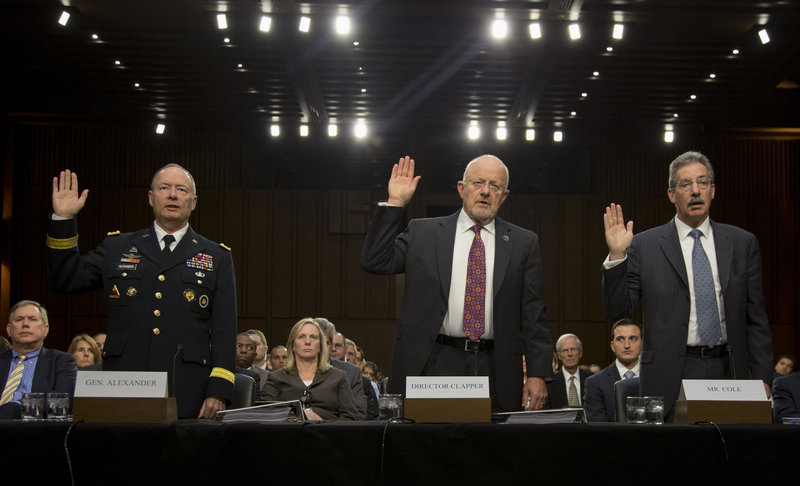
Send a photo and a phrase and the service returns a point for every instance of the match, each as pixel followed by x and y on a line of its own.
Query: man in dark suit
pixel 700 286
pixel 28 366
pixel 626 344
pixel 473 302
pixel 366 411
pixel 786 397
pixel 171 293
pixel 567 387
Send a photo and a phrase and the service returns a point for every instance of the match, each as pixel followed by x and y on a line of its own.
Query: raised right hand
pixel 402 184
pixel 66 202
pixel 619 236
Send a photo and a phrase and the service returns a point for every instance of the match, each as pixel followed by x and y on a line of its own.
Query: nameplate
pixel 121 384
pixel 447 387
pixel 723 390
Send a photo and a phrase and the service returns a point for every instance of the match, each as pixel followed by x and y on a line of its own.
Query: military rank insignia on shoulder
pixel 113 233
pixel 224 246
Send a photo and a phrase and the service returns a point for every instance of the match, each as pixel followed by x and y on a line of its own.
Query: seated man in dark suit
pixel 786 397
pixel 246 352
pixel 626 343
pixel 28 366
pixel 566 389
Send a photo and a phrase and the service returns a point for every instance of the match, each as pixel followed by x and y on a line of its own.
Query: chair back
pixel 243 391
pixel 622 390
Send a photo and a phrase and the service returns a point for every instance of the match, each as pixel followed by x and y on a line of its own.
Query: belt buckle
pixel 470 343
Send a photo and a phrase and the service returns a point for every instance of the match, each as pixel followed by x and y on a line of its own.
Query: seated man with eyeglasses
pixel 700 286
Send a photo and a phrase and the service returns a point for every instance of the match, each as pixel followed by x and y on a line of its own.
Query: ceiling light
pixel 674 115
pixel 596 73
pixel 360 129
pixel 501 133
pixel 584 95
pixel 304 130
pixel 265 24
pixel 64 18
pixel 363 90
pixel 535 30
pixel 474 131
pixel 617 32
pixel 573 113
pixel 499 28
pixel 305 24
pixel 95 36
pixel 275 130
pixel 558 136
pixel 763 35
pixel 240 65
pixel 222 21
pixel 135 85
pixel 160 128
pixel 669 136
pixel 609 49
pixel 712 76
pixel 574 31
pixel 530 134
pixel 226 40
pixel 342 25
pixel 693 97
pixel 117 62
pixel 735 52
pixel 333 130
pixel 356 43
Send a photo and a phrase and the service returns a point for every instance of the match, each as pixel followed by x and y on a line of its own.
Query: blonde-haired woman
pixel 309 377
pixel 85 350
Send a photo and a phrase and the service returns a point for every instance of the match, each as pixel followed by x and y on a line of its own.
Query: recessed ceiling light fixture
pixel 160 128
pixel 342 25
pixel 499 28
pixel 305 24
pixel 275 130
pixel 558 136
pixel 530 134
pixel 501 133
pixel 669 136
pixel 574 31
pixel 333 130
pixel 535 30
pixel 304 130
pixel 763 35
pixel 360 129
pixel 64 18
pixel 617 32
pixel 222 21
pixel 265 24
pixel 474 131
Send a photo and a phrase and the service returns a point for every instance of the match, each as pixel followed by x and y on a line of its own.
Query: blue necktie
pixel 705 295
pixel 629 374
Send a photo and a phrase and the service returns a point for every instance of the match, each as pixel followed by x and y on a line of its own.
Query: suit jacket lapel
pixel 671 247
pixel 445 240
pixel 188 247
pixel 724 249
pixel 5 367
pixel 42 368
pixel 503 244
pixel 147 243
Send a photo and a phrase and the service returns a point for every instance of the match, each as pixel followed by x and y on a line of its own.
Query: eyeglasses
pixel 305 400
pixel 568 350
pixel 478 185
pixel 703 182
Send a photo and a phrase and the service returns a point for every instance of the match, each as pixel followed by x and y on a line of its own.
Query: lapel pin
pixel 506 238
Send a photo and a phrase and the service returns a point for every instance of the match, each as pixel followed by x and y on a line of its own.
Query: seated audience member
pixel 100 339
pixel 786 397
pixel 566 389
pixel 28 366
pixel 85 350
pixel 278 357
pixel 350 352
pixel 4 344
pixel 786 365
pixel 370 371
pixel 246 345
pixel 626 343
pixel 262 349
pixel 335 341
pixel 309 377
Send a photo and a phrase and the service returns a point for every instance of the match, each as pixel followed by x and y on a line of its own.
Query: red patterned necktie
pixel 475 294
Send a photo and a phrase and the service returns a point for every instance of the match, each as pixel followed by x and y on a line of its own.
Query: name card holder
pixel 443 399
pixel 723 402
pixel 123 396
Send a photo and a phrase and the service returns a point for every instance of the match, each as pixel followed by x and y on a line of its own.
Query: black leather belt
pixel 466 344
pixel 706 352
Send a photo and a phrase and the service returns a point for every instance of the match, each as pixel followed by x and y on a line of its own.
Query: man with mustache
pixel 700 286
pixel 473 302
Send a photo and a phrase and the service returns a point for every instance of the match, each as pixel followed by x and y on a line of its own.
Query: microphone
pixel 731 363
pixel 178 350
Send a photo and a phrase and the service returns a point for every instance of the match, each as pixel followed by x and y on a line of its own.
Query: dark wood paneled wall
pixel 296 250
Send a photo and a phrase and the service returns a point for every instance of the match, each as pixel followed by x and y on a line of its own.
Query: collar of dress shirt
pixel 567 375
pixel 684 229
pixel 622 369
pixel 28 356
pixel 465 223
pixel 160 232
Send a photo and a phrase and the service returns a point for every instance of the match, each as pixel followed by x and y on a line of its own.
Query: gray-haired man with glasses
pixel 700 286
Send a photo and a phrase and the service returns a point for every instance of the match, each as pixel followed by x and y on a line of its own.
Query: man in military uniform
pixel 170 292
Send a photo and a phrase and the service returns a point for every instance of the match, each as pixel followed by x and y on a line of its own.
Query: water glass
pixel 654 409
pixel 635 410
pixel 59 407
pixel 390 406
pixel 32 406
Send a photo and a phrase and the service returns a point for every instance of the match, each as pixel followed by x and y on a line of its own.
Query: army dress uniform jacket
pixel 173 312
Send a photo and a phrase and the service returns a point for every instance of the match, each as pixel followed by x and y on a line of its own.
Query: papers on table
pixel 289 411
pixel 556 416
